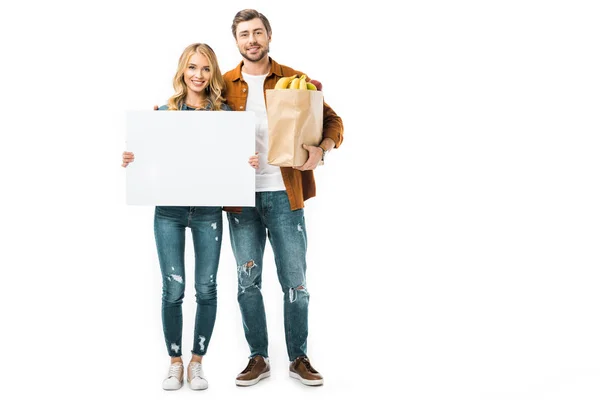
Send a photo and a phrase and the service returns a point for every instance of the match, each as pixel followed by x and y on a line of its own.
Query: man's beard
pixel 262 54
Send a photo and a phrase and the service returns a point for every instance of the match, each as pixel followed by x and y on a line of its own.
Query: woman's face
pixel 197 73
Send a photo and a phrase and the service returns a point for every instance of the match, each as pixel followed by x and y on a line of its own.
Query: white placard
pixel 187 158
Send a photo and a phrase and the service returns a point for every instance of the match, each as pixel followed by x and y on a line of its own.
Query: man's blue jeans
pixel 271 217
pixel 206 224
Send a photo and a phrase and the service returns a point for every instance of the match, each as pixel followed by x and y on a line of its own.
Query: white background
pixel 453 244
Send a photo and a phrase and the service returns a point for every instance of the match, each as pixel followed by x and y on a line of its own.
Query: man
pixel 278 213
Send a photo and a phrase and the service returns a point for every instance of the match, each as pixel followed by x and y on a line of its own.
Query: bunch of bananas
pixel 293 82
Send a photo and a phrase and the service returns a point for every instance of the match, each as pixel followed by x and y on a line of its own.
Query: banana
pixel 302 84
pixel 295 83
pixel 284 82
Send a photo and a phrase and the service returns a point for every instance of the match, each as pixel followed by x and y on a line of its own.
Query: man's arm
pixel 333 128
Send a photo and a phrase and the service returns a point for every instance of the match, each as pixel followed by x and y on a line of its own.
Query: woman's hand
pixel 127 158
pixel 253 161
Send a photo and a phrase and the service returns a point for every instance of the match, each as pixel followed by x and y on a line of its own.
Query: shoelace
pixel 251 365
pixel 175 371
pixel 308 366
pixel 196 370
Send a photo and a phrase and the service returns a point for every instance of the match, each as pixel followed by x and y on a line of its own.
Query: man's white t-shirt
pixel 268 177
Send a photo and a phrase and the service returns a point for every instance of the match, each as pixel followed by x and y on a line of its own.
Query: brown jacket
pixel 300 185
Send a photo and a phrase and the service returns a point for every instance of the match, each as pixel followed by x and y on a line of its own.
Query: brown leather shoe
pixel 301 369
pixel 258 368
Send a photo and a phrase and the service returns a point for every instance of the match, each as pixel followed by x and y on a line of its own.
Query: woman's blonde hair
pixel 215 89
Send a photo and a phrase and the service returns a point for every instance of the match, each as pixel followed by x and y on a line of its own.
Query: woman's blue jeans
pixel 206 224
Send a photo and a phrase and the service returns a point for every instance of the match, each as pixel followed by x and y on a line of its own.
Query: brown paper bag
pixel 295 117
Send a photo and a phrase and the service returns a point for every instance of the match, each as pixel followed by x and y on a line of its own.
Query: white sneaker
pixel 174 380
pixel 196 376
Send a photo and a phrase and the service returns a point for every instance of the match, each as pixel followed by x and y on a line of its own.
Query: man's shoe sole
pixel 254 381
pixel 306 381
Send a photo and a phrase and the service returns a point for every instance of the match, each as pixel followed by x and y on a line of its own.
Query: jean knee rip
pixel 293 292
pixel 246 268
pixel 176 278
pixel 245 277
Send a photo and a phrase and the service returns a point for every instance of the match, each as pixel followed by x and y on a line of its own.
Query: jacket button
pixel 241 107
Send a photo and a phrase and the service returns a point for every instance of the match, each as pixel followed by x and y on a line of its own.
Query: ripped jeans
pixel 206 224
pixel 272 218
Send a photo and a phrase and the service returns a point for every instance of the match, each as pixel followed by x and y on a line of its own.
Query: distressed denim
pixel 206 224
pixel 272 218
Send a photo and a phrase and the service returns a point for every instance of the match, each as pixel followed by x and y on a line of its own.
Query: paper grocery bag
pixel 295 117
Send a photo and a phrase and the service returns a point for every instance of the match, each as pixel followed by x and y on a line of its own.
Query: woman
pixel 198 85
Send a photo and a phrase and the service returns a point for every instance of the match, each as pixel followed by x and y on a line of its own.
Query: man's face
pixel 252 40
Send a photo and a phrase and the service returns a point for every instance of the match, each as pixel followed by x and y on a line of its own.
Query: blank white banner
pixel 187 158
